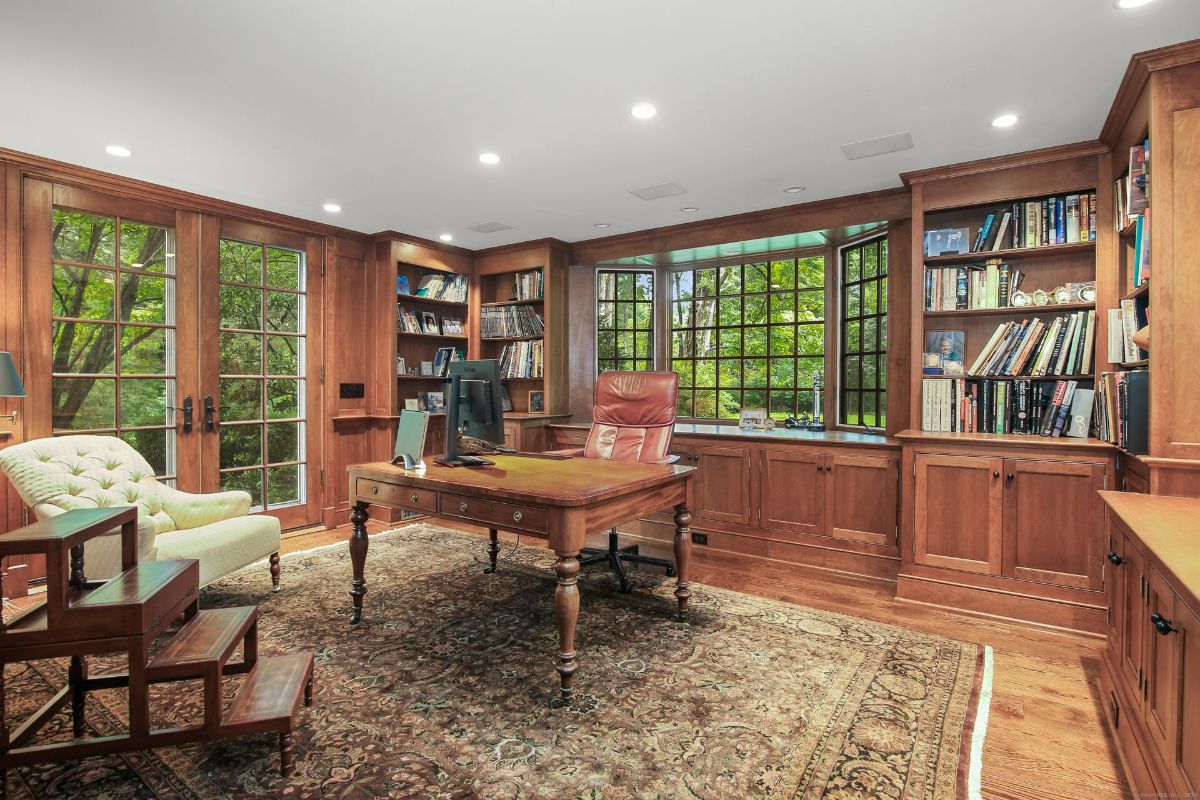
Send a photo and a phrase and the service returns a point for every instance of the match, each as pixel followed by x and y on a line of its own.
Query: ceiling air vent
pixel 490 227
pixel 878 146
pixel 657 191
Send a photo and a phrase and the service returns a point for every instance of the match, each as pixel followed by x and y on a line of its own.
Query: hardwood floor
pixel 1046 739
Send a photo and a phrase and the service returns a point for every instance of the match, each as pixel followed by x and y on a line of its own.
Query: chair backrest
pixel 633 416
pixel 67 472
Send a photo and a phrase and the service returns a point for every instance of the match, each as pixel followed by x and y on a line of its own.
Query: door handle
pixel 209 413
pixel 187 413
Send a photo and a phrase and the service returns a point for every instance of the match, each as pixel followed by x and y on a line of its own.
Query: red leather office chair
pixel 632 420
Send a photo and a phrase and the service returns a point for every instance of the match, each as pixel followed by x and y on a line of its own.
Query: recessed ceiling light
pixel 445 237
pixel 1005 121
pixel 643 110
pixel 1130 3
pixel 602 225
pixel 795 189
pixel 118 151
pixel 489 158
pixel 689 209
pixel 332 208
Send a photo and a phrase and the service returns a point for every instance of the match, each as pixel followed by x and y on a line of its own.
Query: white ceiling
pixel 384 107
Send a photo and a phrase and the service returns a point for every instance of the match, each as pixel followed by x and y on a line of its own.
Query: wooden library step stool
pixel 81 618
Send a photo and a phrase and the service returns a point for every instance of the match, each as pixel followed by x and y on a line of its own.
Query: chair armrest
pixel 195 510
pixel 573 452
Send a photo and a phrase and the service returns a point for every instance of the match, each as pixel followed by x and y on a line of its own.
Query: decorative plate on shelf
pixel 1040 298
pixel 1018 299
pixel 1061 294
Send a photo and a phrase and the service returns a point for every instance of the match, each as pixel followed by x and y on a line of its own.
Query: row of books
pixel 987 285
pixel 426 322
pixel 1063 408
pixel 1037 223
pixel 1036 347
pixel 502 322
pixel 438 286
pixel 1141 248
pixel 1123 324
pixel 522 360
pixel 528 285
pixel 1131 192
pixel 1122 410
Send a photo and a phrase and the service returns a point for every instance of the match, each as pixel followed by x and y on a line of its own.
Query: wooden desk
pixel 561 499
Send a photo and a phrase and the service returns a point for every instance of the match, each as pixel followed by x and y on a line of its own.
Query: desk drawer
pixel 406 496
pixel 504 515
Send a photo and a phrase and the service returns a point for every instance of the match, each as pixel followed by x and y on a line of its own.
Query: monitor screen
pixel 479 408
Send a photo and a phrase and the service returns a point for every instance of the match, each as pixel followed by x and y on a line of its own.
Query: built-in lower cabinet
pixel 959 512
pixel 1150 676
pixel 791 485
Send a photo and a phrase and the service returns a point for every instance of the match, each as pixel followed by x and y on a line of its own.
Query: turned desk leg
pixel 275 571
pixel 566 614
pixel 493 550
pixel 358 558
pixel 77 673
pixel 683 554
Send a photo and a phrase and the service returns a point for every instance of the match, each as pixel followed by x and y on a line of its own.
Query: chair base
pixel 617 557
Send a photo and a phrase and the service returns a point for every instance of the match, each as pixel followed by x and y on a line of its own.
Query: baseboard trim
pixel 1010 607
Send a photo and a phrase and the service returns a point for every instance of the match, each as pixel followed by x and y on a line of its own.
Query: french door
pixel 194 338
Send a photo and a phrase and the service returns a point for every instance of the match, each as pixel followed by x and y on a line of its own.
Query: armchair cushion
pixel 195 510
pixel 223 546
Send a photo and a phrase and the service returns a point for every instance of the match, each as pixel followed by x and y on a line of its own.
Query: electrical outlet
pixel 699 538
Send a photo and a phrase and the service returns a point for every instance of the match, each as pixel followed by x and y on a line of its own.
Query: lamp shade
pixel 10 381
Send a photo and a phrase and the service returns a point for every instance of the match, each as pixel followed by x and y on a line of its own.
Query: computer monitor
pixel 474 407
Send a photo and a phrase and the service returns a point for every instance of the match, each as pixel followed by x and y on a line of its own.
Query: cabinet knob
pixel 820 468
pixel 374 490
pixel 413 497
pixel 1009 476
pixel 1115 559
pixel 462 507
pixel 995 474
pixel 1162 624
pixel 518 516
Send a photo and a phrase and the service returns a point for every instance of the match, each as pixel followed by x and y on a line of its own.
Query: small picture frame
pixel 427 368
pixel 948 345
pixel 505 398
pixel 412 404
pixel 755 419
pixel 947 241
pixel 537 401
pixel 441 361
pixel 429 323
pixel 400 370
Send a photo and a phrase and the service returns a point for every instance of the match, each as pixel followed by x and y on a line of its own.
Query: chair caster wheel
pixel 670 572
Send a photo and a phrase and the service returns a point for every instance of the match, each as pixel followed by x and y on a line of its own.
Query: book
pixel 1081 413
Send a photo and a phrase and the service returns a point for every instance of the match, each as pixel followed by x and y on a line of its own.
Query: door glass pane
pixel 130 332
pixel 266 460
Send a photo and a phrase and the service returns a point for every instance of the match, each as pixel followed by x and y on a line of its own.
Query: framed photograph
pixel 947 241
pixel 948 345
pixel 537 402
pixel 412 404
pixel 755 419
pixel 505 398
pixel 434 402
pixel 400 370
pixel 429 322
pixel 427 368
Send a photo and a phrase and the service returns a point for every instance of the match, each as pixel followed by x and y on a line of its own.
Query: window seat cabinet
pixel 1150 674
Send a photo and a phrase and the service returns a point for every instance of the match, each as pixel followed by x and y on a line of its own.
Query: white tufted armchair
pixel 65 472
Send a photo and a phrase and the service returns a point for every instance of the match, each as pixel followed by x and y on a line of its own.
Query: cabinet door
pixel 722 484
pixel 1134 617
pixel 1117 567
pixel 1162 655
pixel 860 497
pixel 958 512
pixel 1187 751
pixel 792 491
pixel 1054 522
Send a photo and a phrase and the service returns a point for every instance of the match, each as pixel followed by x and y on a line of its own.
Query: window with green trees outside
pixel 624 320
pixel 864 334
pixel 748 335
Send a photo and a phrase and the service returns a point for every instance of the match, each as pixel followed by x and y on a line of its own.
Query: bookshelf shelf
pixel 412 298
pixel 495 303
pixel 1042 378
pixel 1129 231
pixel 511 338
pixel 1145 362
pixel 1140 291
pixel 450 336
pixel 1012 310
pixel 1011 253
pixel 437 378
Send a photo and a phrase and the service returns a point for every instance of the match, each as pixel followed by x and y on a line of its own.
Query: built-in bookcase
pixel 1038 223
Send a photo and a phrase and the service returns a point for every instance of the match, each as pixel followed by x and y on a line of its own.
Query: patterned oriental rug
pixel 443 692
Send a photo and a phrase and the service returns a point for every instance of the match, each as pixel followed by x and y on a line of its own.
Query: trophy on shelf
pixel 804 422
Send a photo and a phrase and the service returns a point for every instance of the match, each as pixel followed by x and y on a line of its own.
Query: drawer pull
pixel 1115 559
pixel 1162 624
pixel 518 516
pixel 995 474
pixel 462 507
pixel 413 497
pixel 374 490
